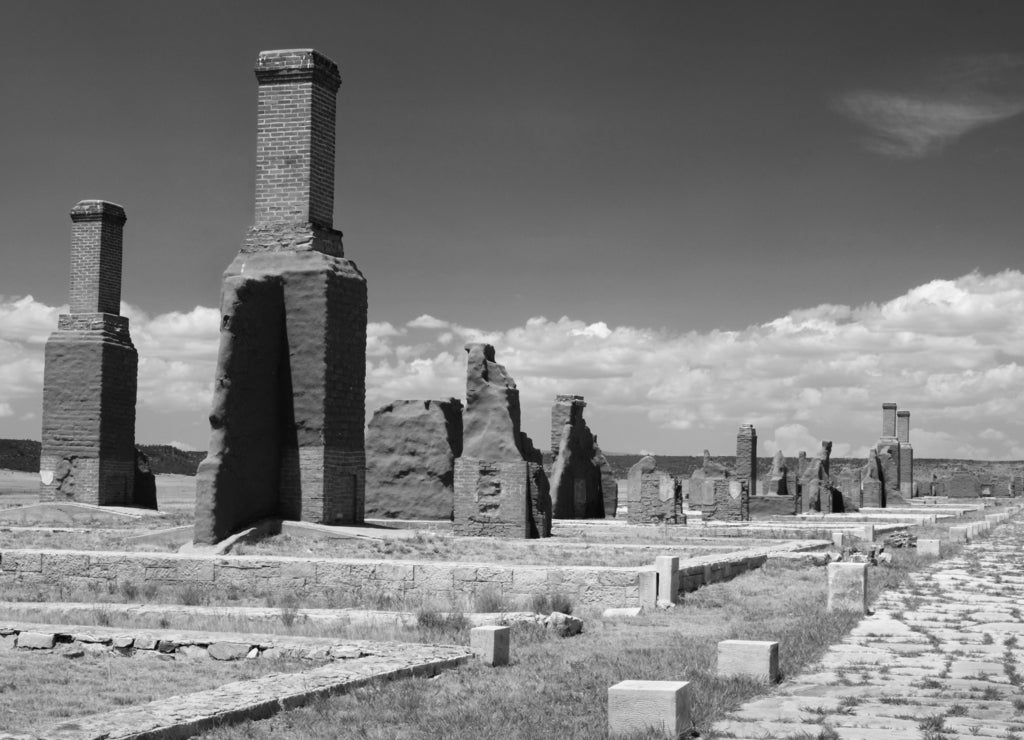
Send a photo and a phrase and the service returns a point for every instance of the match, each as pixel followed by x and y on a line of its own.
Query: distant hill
pixel 23 455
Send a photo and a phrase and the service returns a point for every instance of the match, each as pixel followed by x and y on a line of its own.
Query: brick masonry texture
pixel 746 456
pixel 290 387
pixel 588 586
pixel 724 499
pixel 91 373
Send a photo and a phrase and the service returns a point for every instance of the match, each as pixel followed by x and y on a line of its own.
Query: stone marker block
pixel 7 642
pixel 928 547
pixel 648 589
pixel 837 540
pixel 755 658
pixel 490 644
pixel 621 611
pixel 694 518
pixel 228 650
pixel 960 534
pixel 848 587
pixel 37 640
pixel 667 567
pixel 868 533
pixel 636 706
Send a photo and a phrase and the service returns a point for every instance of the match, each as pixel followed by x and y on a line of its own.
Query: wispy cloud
pixel 961 96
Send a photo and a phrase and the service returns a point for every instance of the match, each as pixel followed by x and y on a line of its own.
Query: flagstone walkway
pixel 941 659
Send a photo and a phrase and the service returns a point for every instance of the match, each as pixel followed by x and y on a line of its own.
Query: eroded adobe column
pixel 91 372
pixel 289 394
pixel 888 449
pixel 746 456
pixel 906 454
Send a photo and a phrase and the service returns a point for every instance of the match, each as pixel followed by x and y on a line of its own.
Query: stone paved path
pixel 943 658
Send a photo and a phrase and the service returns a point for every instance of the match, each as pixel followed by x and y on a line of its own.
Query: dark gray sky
pixel 676 166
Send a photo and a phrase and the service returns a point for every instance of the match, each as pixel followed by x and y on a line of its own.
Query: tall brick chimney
pixel 90 373
pixel 746 456
pixel 96 240
pixel 889 420
pixel 906 454
pixel 295 137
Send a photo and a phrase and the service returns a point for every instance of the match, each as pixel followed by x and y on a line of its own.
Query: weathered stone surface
pixel 636 707
pixel 848 587
pixel 746 456
pixel 609 482
pixel 653 495
pixel 506 492
pixel 491 422
pixel 36 640
pixel 229 650
pixel 777 478
pixel 289 391
pixel 958 484
pixel 564 625
pixel 722 499
pixel 490 644
pixel 755 658
pixel 576 479
pixel 411 448
pixel 90 373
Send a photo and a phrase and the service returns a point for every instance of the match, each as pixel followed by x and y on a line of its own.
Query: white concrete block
pixel 837 540
pixel 929 547
pixel 667 568
pixel 648 589
pixel 490 644
pixel 960 534
pixel 755 658
pixel 848 587
pixel 636 706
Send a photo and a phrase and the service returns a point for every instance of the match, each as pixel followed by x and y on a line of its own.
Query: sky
pixel 695 214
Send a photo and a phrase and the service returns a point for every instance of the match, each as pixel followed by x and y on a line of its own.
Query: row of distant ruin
pixel 287 433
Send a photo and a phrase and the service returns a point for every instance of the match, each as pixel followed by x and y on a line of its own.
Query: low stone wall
pixel 584 586
pixel 595 586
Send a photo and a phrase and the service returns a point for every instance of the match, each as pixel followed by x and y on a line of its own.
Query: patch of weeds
pixel 102 617
pixel 957 710
pixel 986 639
pixel 974 729
pixel 849 701
pixel 289 609
pixel 893 700
pixel 547 603
pixel 1010 641
pixel 934 723
pixel 991 693
pixel 149 591
pixel 191 595
pixel 437 624
pixel 1018 705
pixel 129 590
pixel 488 600
pixel 1015 613
pixel 928 683
pixel 164 623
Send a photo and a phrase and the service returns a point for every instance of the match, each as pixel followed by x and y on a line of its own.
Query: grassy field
pixel 38 689
pixel 557 687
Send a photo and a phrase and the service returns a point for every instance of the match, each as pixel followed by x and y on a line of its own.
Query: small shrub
pixel 488 600
pixel 957 710
pixel 129 590
pixel 164 623
pixel 191 595
pixel 149 591
pixel 439 624
pixel 986 639
pixel 103 617
pixel 289 607
pixel 547 603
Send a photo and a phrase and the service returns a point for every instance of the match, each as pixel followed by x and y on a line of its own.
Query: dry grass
pixel 38 689
pixel 558 688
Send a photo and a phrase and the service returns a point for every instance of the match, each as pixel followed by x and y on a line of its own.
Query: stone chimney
pixel 746 456
pixel 889 420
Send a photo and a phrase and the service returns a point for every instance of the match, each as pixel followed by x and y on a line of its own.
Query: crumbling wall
pixel 653 495
pixel 500 486
pixel 411 448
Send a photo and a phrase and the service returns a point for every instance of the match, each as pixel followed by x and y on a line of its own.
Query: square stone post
pixel 638 706
pixel 848 587
pixel 906 454
pixel 91 373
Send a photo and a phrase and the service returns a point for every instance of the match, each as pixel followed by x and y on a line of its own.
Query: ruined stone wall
pixel 90 373
pixel 653 495
pixel 289 391
pixel 411 448
pixel 724 500
pixel 958 485
pixel 576 478
pixel 746 456
pixel 586 586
